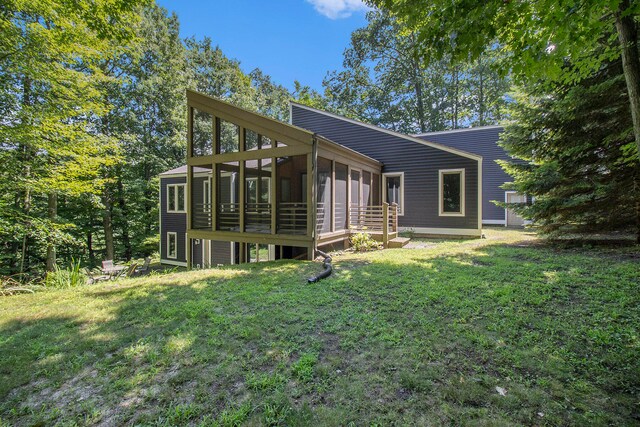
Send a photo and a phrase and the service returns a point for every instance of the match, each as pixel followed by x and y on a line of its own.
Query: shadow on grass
pixel 392 337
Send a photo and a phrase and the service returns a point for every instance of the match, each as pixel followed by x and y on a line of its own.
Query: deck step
pixel 398 242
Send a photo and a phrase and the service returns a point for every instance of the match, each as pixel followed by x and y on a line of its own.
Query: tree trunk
pixel 107 223
pixel 456 88
pixel 26 158
pixel 52 208
pixel 92 257
pixel 126 241
pixel 481 108
pixel 420 103
pixel 628 37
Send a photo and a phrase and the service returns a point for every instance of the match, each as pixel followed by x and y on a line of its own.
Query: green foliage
pixel 94 105
pixel 579 155
pixel 66 277
pixel 384 82
pixel 536 38
pixel 150 245
pixel 363 242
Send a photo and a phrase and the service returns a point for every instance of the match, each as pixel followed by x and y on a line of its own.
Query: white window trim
pixel 255 178
pixel 384 189
pixel 174 188
pixel 441 172
pixel 206 194
pixel 169 234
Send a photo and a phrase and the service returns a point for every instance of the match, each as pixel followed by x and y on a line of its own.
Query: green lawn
pixel 404 336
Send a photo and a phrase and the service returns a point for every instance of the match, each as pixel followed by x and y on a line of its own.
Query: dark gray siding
pixel 220 252
pixel 176 222
pixel 482 141
pixel 420 164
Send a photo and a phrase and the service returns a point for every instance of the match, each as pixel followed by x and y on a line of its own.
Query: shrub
pixel 66 278
pixel 363 242
pixel 149 245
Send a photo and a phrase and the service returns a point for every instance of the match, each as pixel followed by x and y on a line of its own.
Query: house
pixel 258 189
pixel 483 141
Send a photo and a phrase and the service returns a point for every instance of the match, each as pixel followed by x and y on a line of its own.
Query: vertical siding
pixel 420 164
pixel 482 141
pixel 176 222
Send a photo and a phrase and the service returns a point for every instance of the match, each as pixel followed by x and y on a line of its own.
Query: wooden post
pixel 242 196
pixel 189 206
pixel 272 195
pixel 348 197
pixel 214 197
pixel 385 224
pixel 394 217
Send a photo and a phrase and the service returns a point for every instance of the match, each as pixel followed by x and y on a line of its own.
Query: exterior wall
pixel 172 222
pixel 420 164
pixel 482 141
pixel 220 252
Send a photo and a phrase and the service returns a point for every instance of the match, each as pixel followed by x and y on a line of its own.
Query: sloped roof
pixel 391 132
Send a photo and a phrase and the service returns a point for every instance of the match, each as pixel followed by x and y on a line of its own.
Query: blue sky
pixel 288 39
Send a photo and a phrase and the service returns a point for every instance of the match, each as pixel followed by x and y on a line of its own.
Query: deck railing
pixel 201 216
pixel 381 220
pixel 292 218
pixel 228 216
pixel 257 217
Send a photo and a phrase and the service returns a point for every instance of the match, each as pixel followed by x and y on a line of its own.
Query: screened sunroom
pixel 260 189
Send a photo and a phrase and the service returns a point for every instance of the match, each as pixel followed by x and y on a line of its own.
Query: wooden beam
pixel 241 195
pixel 385 224
pixel 249 155
pixel 234 236
pixel 333 151
pixel 214 197
pixel 274 129
pixel 189 132
pixel 333 195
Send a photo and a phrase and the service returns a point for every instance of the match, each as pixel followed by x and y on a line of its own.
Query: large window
pixel 451 192
pixel 172 245
pixel 393 184
pixel 175 198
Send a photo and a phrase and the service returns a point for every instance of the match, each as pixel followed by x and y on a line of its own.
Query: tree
pixel 537 38
pixel 386 82
pixel 50 87
pixel 580 155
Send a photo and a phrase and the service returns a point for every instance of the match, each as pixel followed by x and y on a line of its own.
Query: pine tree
pixel 581 161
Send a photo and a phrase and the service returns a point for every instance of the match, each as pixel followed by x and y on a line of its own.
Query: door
pixel 513 219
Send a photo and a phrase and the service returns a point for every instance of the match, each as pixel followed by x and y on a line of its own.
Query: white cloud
pixel 336 9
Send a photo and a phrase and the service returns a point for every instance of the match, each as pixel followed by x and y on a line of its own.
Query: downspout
pixel 328 268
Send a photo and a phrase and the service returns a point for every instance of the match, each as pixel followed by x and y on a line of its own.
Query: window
pixel 176 198
pixel 172 245
pixel 393 185
pixel 451 197
pixel 253 195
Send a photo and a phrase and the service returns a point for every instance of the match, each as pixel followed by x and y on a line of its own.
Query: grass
pixel 404 336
